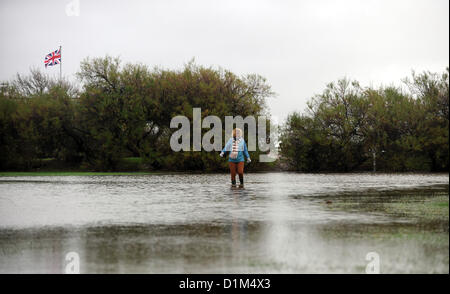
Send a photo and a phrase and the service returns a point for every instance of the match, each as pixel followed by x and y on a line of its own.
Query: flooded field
pixel 195 223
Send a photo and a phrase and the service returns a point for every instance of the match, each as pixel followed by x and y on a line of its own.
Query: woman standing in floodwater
pixel 238 149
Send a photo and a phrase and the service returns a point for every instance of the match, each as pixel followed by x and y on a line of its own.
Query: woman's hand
pixel 222 154
pixel 249 160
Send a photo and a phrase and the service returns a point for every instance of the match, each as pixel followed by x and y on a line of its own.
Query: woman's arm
pixel 227 147
pixel 246 151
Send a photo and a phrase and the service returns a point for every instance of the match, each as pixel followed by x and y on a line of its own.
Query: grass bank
pixel 423 207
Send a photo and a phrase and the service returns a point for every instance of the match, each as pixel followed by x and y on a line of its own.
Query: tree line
pixel 119 111
pixel 116 112
pixel 349 128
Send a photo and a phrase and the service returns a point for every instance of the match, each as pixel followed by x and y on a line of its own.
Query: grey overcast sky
pixel 299 46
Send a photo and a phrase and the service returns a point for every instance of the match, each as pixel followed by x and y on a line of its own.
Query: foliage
pixel 348 128
pixel 120 111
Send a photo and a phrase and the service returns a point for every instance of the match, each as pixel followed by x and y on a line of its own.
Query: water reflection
pixel 198 224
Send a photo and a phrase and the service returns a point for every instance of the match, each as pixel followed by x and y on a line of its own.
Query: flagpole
pixel 60 65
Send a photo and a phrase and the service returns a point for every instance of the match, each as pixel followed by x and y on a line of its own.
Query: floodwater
pixel 195 223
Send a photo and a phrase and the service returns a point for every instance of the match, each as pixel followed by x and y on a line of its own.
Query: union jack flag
pixel 53 58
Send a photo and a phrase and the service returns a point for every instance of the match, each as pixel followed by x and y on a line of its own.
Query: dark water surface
pixel 280 223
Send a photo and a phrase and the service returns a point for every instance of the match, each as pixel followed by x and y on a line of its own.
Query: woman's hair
pixel 237 131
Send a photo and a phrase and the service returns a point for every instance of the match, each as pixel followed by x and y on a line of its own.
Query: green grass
pixel 133 159
pixel 441 204
pixel 429 209
pixel 73 173
pixel 423 206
